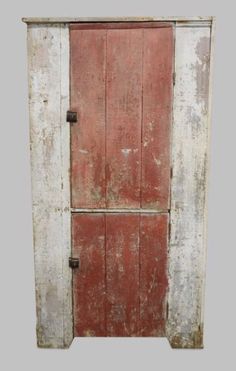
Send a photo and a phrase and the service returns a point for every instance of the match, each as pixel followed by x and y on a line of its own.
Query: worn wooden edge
pixel 66 187
pixel 119 25
pixel 184 21
pixel 48 78
pixel 187 253
pixel 208 162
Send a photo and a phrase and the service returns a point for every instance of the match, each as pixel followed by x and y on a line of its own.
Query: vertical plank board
pixel 122 266
pixel 190 158
pixel 48 52
pixel 153 273
pixel 65 187
pixel 88 54
pixel 123 118
pixel 157 112
pixel 88 239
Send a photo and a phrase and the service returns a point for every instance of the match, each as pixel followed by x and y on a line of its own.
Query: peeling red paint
pixel 153 273
pixel 88 240
pixel 121 87
pixel 124 115
pixel 120 287
pixel 157 108
pixel 122 277
pixel 88 100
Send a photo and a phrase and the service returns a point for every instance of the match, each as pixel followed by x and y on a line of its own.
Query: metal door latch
pixel 73 263
pixel 71 116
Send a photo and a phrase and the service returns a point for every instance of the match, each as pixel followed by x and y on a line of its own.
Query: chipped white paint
pixel 157 161
pixel 48 51
pixel 188 189
pixel 193 21
pixel 126 151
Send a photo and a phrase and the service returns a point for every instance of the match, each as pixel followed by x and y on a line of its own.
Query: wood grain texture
pixel 157 109
pixel 123 126
pixel 120 287
pixel 88 241
pixel 121 87
pixel 119 25
pixel 180 20
pixel 153 273
pixel 188 209
pixel 88 64
pixel 48 52
pixel 122 272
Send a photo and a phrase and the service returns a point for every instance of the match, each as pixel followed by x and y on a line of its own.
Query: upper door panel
pixel 121 87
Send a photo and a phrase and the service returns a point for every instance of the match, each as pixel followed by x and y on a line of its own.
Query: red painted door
pixel 121 89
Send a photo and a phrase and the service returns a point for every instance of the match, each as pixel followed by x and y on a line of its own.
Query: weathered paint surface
pixel 153 273
pixel 157 109
pixel 89 287
pixel 121 285
pixel 124 114
pixel 118 25
pixel 88 57
pixel 122 274
pixel 121 87
pixel 189 158
pixel 180 20
pixel 48 50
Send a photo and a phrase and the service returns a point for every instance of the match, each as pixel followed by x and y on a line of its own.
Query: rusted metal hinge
pixel 73 263
pixel 174 78
pixel 167 310
pixel 71 116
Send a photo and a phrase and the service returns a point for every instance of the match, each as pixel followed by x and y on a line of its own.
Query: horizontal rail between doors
pixel 117 211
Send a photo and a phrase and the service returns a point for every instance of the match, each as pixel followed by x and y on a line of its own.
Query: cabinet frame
pixel 49 100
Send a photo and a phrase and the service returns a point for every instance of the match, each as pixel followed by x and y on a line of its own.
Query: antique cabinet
pixel 119 131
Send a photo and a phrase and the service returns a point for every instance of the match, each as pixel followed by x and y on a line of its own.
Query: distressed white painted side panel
pixel 188 190
pixel 48 52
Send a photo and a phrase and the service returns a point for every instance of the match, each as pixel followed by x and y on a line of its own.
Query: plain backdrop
pixel 18 349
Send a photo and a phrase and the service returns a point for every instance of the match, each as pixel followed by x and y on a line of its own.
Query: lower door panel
pixel 121 284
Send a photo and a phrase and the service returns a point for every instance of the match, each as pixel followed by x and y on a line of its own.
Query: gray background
pixel 17 332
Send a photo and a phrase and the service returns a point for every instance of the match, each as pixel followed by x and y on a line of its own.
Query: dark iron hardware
pixel 71 116
pixel 73 263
